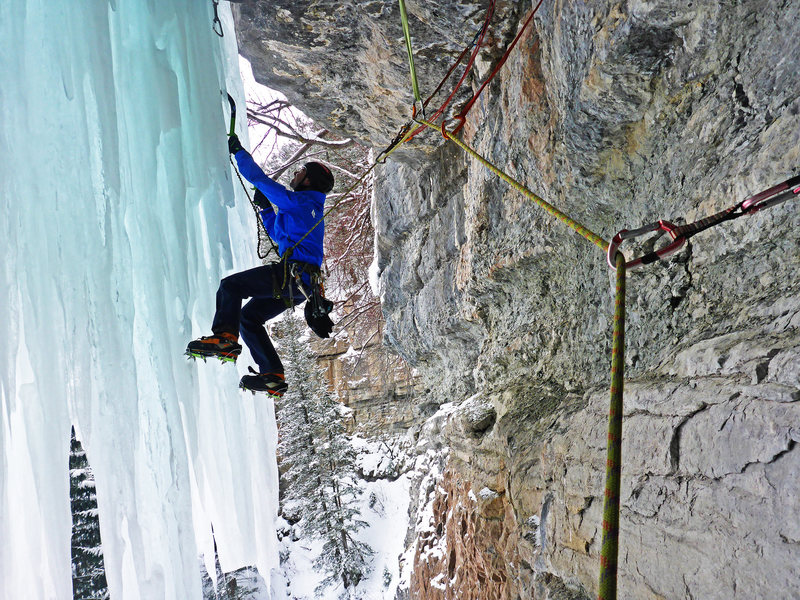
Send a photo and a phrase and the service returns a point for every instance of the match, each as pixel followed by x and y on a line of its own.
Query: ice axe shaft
pixel 233 115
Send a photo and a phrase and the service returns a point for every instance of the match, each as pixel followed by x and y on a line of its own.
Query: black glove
pixel 316 313
pixel 260 200
pixel 234 145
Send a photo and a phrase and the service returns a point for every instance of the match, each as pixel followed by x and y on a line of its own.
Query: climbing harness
pixel 217 24
pixel 317 307
pixel 680 234
pixel 320 306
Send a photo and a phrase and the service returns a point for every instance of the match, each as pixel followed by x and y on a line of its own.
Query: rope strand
pixel 407 35
pixel 563 217
pixel 260 224
pixel 609 550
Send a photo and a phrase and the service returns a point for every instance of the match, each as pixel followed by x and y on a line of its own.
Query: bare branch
pixel 341 169
pixel 293 134
pixel 295 157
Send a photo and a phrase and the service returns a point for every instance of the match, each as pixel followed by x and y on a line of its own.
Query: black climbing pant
pixel 261 285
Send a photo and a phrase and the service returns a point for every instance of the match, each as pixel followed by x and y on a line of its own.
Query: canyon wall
pixel 619 114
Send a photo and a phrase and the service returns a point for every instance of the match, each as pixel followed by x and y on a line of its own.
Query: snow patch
pixel 486 494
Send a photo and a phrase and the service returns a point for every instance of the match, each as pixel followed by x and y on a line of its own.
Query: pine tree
pixel 319 463
pixel 88 571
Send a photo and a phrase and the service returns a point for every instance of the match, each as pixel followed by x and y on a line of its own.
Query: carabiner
pixel 217 24
pixel 297 273
pixel 625 234
pixel 774 195
pixel 415 111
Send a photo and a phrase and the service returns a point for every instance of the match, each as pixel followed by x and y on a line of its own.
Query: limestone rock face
pixel 619 114
pixel 374 384
pixel 346 63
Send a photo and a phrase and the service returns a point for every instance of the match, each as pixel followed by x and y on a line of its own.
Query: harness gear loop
pixel 681 234
pixel 285 260
pixel 217 24
pixel 297 274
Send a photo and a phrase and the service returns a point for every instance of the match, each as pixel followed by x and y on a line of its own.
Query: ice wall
pixel 119 215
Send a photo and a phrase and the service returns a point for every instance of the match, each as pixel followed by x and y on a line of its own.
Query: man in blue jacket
pixel 297 230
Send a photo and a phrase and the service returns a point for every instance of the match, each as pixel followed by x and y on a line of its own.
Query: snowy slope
pixel 384 508
pixel 119 215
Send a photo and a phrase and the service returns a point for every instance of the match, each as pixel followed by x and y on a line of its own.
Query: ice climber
pixel 272 288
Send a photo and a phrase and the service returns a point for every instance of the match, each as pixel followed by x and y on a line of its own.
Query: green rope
pixel 609 550
pixel 569 222
pixel 407 34
pixel 610 543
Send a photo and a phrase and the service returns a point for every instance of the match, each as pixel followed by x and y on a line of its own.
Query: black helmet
pixel 320 176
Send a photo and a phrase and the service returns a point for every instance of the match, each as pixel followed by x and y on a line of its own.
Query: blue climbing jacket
pixel 297 213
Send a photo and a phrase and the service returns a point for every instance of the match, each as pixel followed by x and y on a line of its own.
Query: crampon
pixel 223 346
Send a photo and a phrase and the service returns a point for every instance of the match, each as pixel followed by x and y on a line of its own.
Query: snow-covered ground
pixel 384 506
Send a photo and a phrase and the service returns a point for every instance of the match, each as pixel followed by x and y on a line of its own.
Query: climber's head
pixel 313 176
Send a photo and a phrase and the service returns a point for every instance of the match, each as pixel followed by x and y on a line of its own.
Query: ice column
pixel 119 215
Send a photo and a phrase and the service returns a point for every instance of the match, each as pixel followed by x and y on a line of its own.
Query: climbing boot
pixel 272 383
pixel 224 346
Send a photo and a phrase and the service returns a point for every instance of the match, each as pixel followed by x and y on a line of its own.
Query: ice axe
pixel 233 115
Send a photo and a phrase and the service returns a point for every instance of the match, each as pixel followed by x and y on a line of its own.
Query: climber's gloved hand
pixel 260 200
pixel 317 317
pixel 234 145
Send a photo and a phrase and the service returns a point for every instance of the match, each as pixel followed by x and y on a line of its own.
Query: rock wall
pixel 620 114
pixel 375 384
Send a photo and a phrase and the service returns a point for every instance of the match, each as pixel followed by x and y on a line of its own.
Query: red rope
pixel 450 72
pixel 463 114
pixel 442 108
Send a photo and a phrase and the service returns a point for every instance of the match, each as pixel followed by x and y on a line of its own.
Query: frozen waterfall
pixel 119 215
